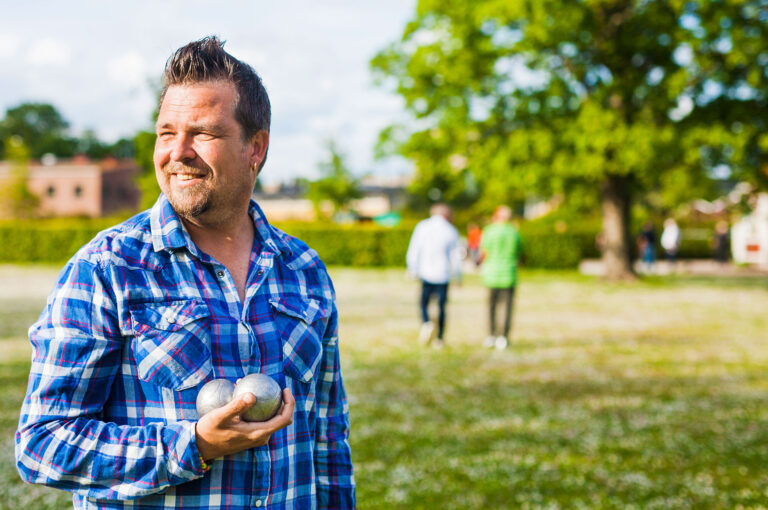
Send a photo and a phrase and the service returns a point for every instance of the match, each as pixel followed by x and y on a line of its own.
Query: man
pixel 670 240
pixel 197 288
pixel 434 256
pixel 500 250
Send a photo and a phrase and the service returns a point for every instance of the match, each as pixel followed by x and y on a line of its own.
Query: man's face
pixel 203 165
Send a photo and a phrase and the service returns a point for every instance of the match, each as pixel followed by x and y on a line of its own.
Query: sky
pixel 95 62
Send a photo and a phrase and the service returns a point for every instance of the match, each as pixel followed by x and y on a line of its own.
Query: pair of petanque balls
pixel 220 392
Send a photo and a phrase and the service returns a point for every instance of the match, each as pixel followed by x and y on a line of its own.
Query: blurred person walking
pixel 670 240
pixel 500 251
pixel 646 244
pixel 722 242
pixel 474 236
pixel 434 257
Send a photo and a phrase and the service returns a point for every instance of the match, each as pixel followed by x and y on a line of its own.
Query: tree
pixel 337 185
pixel 616 97
pixel 144 150
pixel 16 199
pixel 42 129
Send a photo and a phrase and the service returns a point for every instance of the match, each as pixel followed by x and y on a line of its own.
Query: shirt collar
pixel 168 232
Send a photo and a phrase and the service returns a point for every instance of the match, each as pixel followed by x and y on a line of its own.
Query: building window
pixel 51 191
pixel 78 191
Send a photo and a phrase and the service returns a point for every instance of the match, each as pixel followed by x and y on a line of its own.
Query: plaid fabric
pixel 138 321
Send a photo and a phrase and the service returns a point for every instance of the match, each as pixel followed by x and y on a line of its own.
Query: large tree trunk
pixel 616 242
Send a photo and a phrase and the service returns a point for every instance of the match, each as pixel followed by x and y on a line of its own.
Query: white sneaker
pixel 489 342
pixel 427 332
pixel 438 344
pixel 501 343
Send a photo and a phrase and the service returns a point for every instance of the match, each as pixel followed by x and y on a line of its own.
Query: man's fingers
pixel 288 399
pixel 237 406
pixel 289 405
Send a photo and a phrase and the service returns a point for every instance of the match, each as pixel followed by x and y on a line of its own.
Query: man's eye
pixel 205 136
pixel 164 135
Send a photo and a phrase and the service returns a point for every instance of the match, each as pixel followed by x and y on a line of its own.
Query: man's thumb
pixel 238 405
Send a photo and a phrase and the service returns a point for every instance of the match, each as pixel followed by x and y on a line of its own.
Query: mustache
pixel 180 168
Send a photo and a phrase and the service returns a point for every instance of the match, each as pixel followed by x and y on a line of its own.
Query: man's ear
pixel 259 143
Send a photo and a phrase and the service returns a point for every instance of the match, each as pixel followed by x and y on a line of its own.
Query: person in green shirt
pixel 500 249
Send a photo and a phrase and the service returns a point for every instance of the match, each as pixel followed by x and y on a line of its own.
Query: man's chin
pixel 188 208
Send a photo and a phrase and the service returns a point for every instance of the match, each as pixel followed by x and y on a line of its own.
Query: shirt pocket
pixel 302 344
pixel 170 343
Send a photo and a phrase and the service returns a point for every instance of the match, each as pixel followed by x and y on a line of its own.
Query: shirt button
pixel 220 273
pixel 171 320
pixel 258 503
pixel 260 272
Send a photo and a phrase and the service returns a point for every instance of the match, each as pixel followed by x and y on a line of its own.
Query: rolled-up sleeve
pixel 61 440
pixel 333 460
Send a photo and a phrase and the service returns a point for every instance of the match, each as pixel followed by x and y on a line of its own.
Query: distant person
pixel 474 235
pixel 198 288
pixel 722 242
pixel 434 256
pixel 670 240
pixel 646 243
pixel 500 252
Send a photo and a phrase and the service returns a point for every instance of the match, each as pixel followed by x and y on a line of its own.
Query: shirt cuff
pixel 184 462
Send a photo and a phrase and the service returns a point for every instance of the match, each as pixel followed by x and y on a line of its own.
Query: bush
pixel 55 241
pixel 556 250
pixel 360 246
pixel 20 243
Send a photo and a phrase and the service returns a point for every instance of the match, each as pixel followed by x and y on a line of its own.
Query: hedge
pixel 361 246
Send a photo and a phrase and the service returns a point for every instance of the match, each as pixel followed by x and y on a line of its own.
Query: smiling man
pixel 199 287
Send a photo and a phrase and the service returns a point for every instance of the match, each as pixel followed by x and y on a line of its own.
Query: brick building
pixel 80 187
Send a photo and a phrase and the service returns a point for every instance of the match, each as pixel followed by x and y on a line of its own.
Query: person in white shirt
pixel 434 257
pixel 670 239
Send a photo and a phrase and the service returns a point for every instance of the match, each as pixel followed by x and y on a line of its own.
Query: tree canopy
pixel 336 185
pixel 619 97
pixel 44 130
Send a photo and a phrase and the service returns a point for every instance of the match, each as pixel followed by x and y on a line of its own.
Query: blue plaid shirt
pixel 139 320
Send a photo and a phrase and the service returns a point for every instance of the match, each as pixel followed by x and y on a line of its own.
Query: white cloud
pixel 48 52
pixel 129 70
pixel 9 45
pixel 312 57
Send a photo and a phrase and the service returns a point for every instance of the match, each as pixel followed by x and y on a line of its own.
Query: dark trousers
pixel 441 291
pixel 507 295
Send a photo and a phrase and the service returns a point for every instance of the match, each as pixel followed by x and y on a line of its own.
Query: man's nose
pixel 181 148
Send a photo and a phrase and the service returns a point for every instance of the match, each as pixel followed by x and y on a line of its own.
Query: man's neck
pixel 222 239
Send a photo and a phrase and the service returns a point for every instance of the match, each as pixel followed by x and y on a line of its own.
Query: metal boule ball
pixel 214 394
pixel 268 396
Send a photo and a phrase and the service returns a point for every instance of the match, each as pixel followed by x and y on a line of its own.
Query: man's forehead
pixel 211 94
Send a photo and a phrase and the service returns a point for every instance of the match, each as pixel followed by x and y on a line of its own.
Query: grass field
pixel 645 395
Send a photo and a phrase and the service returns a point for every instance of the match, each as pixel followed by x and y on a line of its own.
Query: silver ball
pixel 214 394
pixel 268 396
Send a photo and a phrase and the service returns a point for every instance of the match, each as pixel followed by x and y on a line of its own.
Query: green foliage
pixel 44 130
pixel 26 243
pixel 554 97
pixel 144 147
pixel 337 185
pixel 338 245
pixel 549 243
pixel 41 127
pixel 353 245
pixel 15 197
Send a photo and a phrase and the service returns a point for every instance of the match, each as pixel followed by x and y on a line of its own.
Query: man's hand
pixel 222 432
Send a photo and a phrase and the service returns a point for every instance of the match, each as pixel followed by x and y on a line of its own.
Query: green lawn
pixel 644 395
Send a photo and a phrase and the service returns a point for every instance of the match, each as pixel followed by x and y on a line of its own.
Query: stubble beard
pixel 189 202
